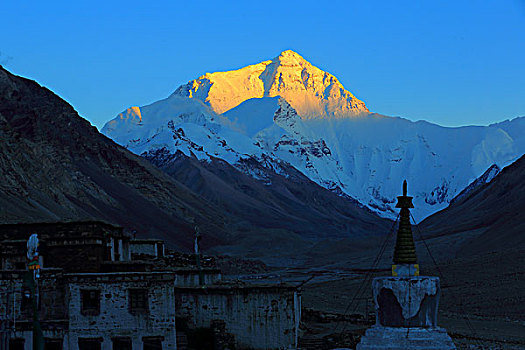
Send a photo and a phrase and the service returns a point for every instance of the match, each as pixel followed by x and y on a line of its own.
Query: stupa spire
pixel 405 250
pixel 406 303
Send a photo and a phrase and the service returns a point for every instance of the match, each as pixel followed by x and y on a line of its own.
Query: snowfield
pixel 286 110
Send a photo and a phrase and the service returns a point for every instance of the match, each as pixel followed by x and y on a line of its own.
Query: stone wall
pixel 259 317
pixel 147 247
pixel 406 301
pixel 190 277
pixel 52 296
pixel 55 333
pixel 73 246
pixel 89 258
pixel 115 318
pixel 13 255
pixel 17 313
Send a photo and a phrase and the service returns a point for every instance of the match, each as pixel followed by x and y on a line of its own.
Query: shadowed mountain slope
pixel 494 209
pixel 56 166
pixel 272 205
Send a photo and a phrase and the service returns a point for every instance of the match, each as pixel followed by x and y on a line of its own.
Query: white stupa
pixel 406 303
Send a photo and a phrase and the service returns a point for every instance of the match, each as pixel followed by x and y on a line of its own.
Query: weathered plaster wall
pixel 406 301
pixel 115 318
pixel 258 317
pixel 52 311
pixel 49 334
pixel 77 246
pixel 51 290
pixel 154 248
pixel 190 278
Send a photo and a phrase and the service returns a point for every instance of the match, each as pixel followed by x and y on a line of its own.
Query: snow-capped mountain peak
pixel 286 110
pixel 311 91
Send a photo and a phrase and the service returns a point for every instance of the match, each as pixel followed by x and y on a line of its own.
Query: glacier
pixel 287 110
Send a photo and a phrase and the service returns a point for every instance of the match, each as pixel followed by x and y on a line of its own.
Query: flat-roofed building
pixel 98 288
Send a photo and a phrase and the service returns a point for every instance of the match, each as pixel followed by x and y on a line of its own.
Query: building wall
pixel 258 317
pixel 13 255
pixel 76 246
pixel 150 247
pixel 51 291
pixel 115 318
pixel 52 311
pixel 84 254
pixel 190 278
pixel 27 335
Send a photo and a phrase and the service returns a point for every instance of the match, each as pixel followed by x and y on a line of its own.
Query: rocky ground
pixel 481 306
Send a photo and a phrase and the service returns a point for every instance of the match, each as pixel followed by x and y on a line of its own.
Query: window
pixel 152 343
pixel 108 253
pixel 90 302
pixel 138 300
pixel 53 344
pixel 16 344
pixel 89 343
pixel 122 343
pixel 116 250
pixel 160 250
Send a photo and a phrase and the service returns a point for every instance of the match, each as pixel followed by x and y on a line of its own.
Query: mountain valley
pixel 55 166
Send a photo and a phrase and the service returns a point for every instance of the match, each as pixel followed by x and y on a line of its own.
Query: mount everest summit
pixel 287 111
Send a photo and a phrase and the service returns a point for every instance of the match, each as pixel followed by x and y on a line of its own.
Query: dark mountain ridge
pixel 56 166
pixel 494 209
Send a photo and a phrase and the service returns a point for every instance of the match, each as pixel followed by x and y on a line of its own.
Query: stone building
pixel 72 246
pixel 261 317
pixel 99 288
pixel 82 303
pixel 135 308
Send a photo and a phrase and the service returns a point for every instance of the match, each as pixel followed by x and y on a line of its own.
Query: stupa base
pixel 399 338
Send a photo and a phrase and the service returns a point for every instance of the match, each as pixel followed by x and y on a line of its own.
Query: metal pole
pixel 38 336
pixel 198 255
pixel 13 293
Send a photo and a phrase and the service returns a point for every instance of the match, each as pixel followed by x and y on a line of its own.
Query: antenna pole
pixel 30 280
pixel 198 255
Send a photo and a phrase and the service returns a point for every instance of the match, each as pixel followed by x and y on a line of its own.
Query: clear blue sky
pixel 449 62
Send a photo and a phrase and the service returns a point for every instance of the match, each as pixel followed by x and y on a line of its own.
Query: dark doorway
pixel 53 344
pixel 122 344
pixel 89 344
pixel 152 343
pixel 16 344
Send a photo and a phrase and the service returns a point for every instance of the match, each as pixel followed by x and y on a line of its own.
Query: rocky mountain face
pixel 280 219
pixel 312 92
pixel 489 218
pixel 56 166
pixel 487 177
pixel 285 111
